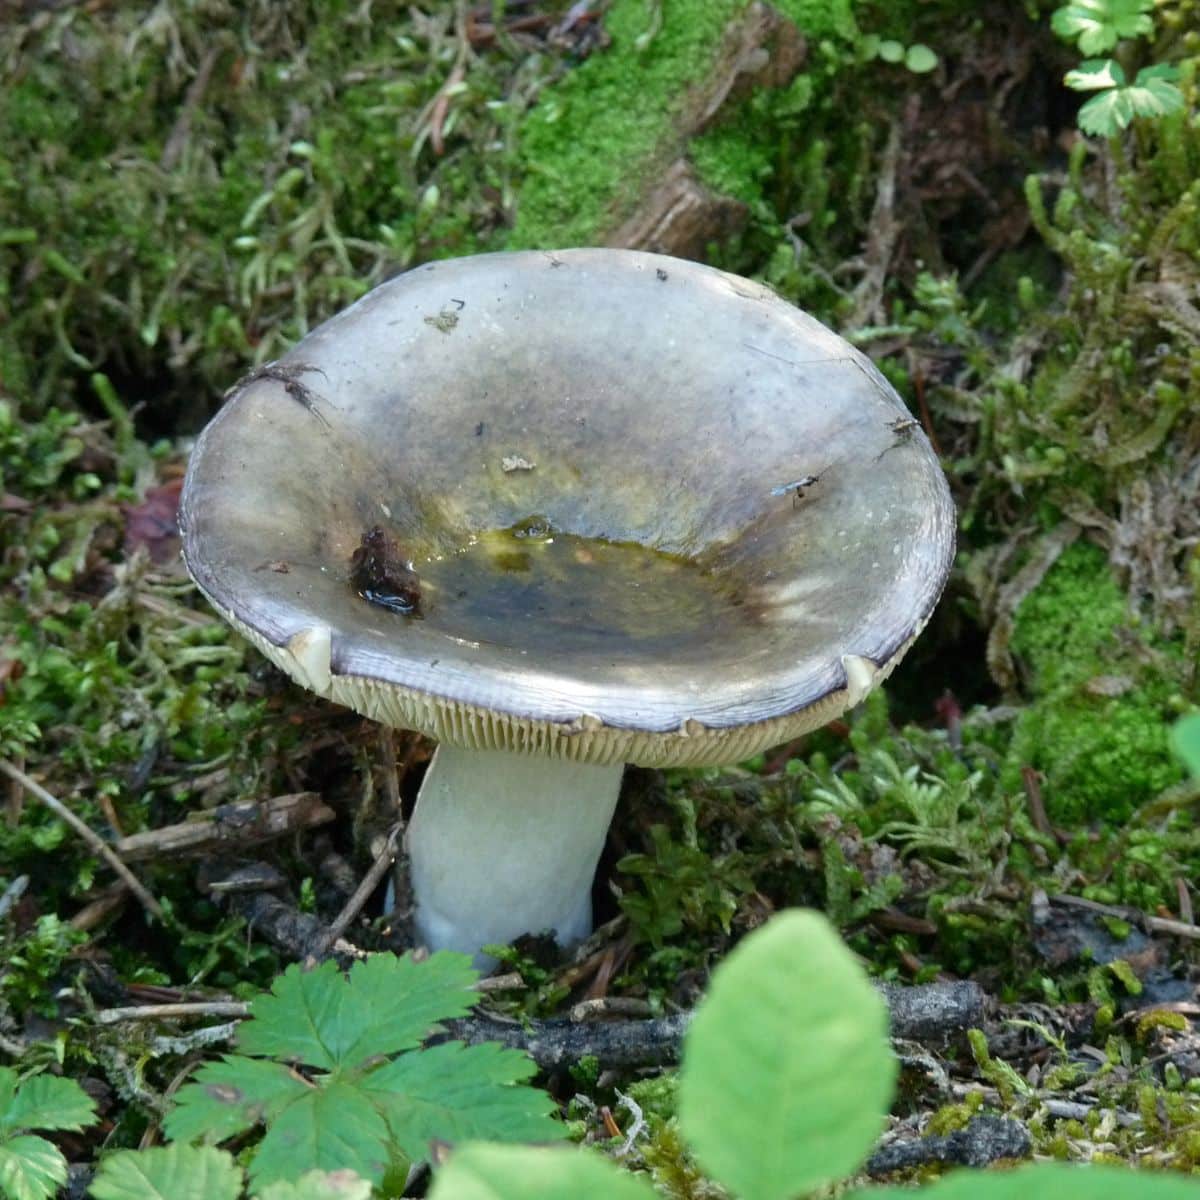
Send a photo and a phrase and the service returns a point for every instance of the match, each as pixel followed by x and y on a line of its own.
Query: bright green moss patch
pixel 188 189
pixel 1097 727
pixel 602 131
pixel 608 127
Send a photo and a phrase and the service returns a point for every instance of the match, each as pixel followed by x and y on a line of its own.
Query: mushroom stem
pixel 505 844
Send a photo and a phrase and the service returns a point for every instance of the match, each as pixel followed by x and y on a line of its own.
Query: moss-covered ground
pixel 186 189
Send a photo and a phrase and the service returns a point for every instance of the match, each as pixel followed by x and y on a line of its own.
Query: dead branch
pixel 155 1012
pixel 89 835
pixel 245 823
pixel 983 1140
pixel 353 906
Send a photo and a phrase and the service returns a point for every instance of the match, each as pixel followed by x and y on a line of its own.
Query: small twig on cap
pixel 89 835
pixel 353 906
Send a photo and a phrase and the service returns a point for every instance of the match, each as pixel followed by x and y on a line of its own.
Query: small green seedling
pixel 31 1168
pixel 1096 26
pixel 317 1069
pixel 1152 94
pixel 917 58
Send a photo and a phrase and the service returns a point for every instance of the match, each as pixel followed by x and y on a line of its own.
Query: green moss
pixel 1100 755
pixel 604 129
pixel 597 135
pixel 166 236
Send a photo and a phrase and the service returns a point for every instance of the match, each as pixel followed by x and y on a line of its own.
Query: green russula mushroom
pixel 627 509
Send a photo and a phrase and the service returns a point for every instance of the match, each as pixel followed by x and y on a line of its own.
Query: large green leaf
pixel 331 1128
pixel 320 1185
pixel 168 1173
pixel 787 1073
pixel 30 1168
pixel 388 1004
pixel 1050 1180
pixel 527 1173
pixel 1185 733
pixel 42 1102
pixel 458 1093
pixel 231 1096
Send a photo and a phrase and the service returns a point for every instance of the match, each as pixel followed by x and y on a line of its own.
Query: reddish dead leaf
pixel 11 503
pixel 154 523
pixel 11 669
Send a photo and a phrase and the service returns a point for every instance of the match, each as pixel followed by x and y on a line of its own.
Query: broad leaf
pixel 787 1073
pixel 1185 741
pixel 458 1093
pixel 919 59
pixel 388 1004
pixel 396 1002
pixel 524 1172
pixel 1106 114
pixel 1094 74
pixel 47 1102
pixel 231 1096
pixel 1097 25
pixel 332 1128
pixel 1058 1180
pixel 8 1089
pixel 1154 94
pixel 168 1173
pixel 30 1168
pixel 320 1185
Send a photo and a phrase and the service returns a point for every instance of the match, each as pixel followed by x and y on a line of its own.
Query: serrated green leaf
pixel 1153 94
pixel 388 1004
pixel 332 1128
pixel 787 1073
pixel 168 1173
pixel 459 1093
pixel 396 1002
pixel 293 1020
pixel 8 1089
pixel 231 1096
pixel 1048 1179
pixel 521 1172
pixel 1185 739
pixel 1106 114
pixel 1097 25
pixel 320 1185
pixel 920 59
pixel 31 1168
pixel 47 1102
pixel 1094 74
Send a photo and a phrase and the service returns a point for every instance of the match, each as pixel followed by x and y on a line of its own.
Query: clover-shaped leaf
pixel 1098 25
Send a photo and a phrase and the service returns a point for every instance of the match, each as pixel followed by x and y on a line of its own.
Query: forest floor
pixel 186 190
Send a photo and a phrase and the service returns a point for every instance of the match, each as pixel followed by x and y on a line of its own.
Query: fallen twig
pixel 154 1012
pixel 1134 916
pixel 982 1140
pixel 12 894
pixel 353 906
pixel 245 823
pixel 928 1012
pixel 89 835
pixel 606 1006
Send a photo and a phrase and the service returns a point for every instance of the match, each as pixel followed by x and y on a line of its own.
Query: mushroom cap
pixel 755 527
